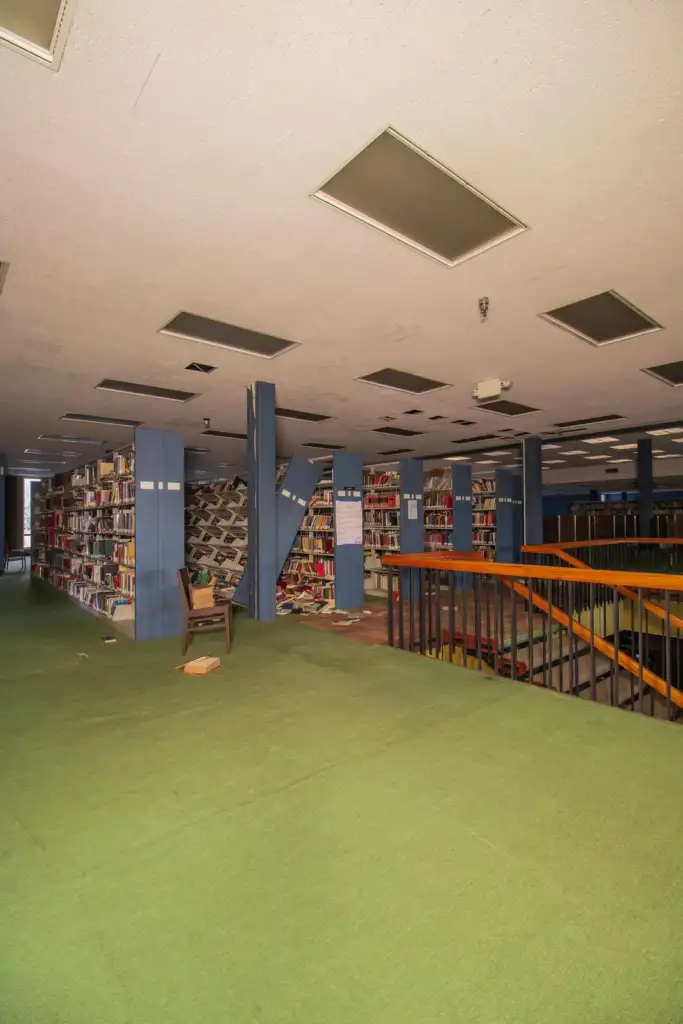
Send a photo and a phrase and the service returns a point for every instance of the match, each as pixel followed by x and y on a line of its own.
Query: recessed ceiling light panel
pixel 397 451
pixel 401 380
pixel 69 437
pixel 193 327
pixel 396 431
pixel 224 433
pixel 504 407
pixel 84 417
pixel 589 420
pixel 598 440
pixel 297 414
pixel 394 186
pixel 200 367
pixel 602 319
pixel 126 387
pixel 320 444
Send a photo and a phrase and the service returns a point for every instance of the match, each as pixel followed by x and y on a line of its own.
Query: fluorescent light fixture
pixel 677 440
pixel 614 462
pixel 486 462
pixel 498 453
pixel 555 462
pixel 624 447
pixel 576 451
pixel 661 431
pixel 598 440
pixel 675 455
pixel 597 457
pixel 457 458
pixel 548 446
pixel 128 387
pixel 69 437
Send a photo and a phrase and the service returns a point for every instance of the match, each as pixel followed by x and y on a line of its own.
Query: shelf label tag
pixel 173 485
pixel 146 485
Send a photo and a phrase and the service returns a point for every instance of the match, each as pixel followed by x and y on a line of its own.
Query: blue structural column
pixel 504 516
pixel 532 486
pixel 645 486
pixel 262 558
pixel 462 508
pixel 159 532
pixel 347 481
pixel 411 484
pixel 3 523
pixel 517 516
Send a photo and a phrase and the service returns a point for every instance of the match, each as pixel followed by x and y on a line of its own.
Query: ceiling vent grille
pixel 200 367
pixel 397 451
pixel 192 327
pixel 400 380
pixel 70 438
pixel 224 433
pixel 602 319
pixel 394 186
pixel 126 387
pixel 325 447
pixel 37 28
pixel 397 431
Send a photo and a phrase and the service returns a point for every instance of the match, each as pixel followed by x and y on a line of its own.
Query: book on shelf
pixel 306 583
pixel 216 533
pixel 381 524
pixel 83 534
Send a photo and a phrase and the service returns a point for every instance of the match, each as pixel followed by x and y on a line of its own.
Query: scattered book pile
pixel 216 533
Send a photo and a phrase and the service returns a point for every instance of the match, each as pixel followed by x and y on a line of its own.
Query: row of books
pixel 317 522
pixel 484 485
pixel 386 499
pixel 374 517
pixel 110 521
pixel 314 544
pixel 217 532
pixel 120 492
pixel 380 539
pixel 320 567
pixel 439 521
pixel 483 519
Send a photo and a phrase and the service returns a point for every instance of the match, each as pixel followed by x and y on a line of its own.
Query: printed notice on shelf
pixel 349 522
pixel 412 509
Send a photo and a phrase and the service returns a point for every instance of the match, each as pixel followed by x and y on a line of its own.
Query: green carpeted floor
pixel 322 832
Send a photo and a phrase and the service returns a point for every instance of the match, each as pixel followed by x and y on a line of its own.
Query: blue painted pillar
pixel 347 481
pixel 411 484
pixel 159 532
pixel 462 507
pixel 504 516
pixel 532 487
pixel 262 558
pixel 517 516
pixel 3 521
pixel 645 485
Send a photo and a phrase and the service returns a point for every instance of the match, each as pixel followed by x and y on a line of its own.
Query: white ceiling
pixel 169 163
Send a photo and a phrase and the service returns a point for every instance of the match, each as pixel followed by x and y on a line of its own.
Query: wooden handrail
pixel 604 646
pixel 540 548
pixel 446 562
pixel 651 606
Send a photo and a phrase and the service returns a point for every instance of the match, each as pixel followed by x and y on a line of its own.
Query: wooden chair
pixel 201 620
pixel 18 555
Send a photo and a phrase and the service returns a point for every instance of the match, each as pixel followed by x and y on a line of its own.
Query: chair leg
pixel 185 642
pixel 228 629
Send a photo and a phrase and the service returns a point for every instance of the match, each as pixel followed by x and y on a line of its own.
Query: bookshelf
pixel 216 533
pixel 307 581
pixel 484 510
pixel 84 535
pixel 438 510
pixel 381 525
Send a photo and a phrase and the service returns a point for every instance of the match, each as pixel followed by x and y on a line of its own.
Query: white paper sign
pixel 146 485
pixel 349 520
pixel 173 485
pixel 412 509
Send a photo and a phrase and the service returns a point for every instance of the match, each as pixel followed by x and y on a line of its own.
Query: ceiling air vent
pixel 463 423
pixel 506 408
pixel 394 186
pixel 668 373
pixel 297 414
pixel 480 437
pixel 84 417
pixel 126 387
pixel 397 431
pixel 325 447
pixel 36 28
pixel 192 327
pixel 200 367
pixel 589 420
pixel 602 319
pixel 397 451
pixel 400 380
pixel 224 433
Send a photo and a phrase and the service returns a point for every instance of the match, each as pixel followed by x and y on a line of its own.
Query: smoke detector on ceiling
pixel 488 390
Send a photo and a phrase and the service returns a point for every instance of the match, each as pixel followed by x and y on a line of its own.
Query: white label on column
pixel 301 502
pixel 286 493
pixel 356 494
pixel 160 485
pixel 406 496
pixel 146 485
pixel 412 509
pixel 341 494
pixel 173 485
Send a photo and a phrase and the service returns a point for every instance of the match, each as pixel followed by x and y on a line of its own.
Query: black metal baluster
pixel 640 651
pixel 497 658
pixel 429 609
pixel 488 618
pixel 390 605
pixel 411 609
pixel 529 630
pixel 591 598
pixel 513 645
pixel 667 654
pixel 571 639
pixel 549 599
pixel 421 599
pixel 451 614
pixel 465 597
pixel 614 695
pixel 400 574
pixel 439 638
pixel 477 617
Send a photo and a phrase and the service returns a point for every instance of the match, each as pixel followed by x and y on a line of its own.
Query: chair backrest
pixel 185 588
